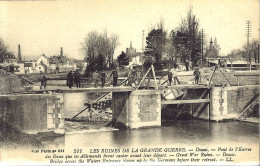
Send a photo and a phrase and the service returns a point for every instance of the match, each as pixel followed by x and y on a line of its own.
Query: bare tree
pixel 96 44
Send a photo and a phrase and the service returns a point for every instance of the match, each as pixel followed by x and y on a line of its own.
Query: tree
pixel 100 63
pixel 3 50
pixel 155 45
pixel 96 44
pixel 251 51
pixel 186 38
pixel 123 59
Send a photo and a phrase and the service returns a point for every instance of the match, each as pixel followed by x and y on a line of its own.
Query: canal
pixel 179 133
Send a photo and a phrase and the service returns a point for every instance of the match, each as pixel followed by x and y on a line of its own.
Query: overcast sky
pixel 45 26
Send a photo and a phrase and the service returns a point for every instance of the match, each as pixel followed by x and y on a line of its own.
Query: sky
pixel 43 27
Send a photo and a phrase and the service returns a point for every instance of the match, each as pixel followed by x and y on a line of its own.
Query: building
pixel 9 63
pixel 135 58
pixel 213 50
pixel 30 67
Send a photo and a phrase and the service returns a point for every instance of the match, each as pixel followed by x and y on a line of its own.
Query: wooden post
pixel 156 86
pixel 209 107
pixel 212 74
pixel 192 95
pixel 143 79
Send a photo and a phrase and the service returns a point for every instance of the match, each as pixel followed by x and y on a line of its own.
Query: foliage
pixel 4 51
pixel 247 52
pixel 123 59
pixel 251 51
pixel 186 39
pixel 96 44
pixel 155 46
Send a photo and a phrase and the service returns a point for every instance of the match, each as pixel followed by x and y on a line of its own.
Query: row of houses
pixel 43 64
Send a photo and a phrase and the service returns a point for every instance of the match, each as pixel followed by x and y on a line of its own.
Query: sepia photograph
pixel 129 82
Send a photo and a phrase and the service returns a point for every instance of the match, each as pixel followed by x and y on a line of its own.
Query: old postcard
pixel 152 82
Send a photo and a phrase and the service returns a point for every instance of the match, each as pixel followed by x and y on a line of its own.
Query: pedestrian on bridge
pixel 138 76
pixel 115 77
pixel 131 77
pixel 103 78
pixel 43 82
pixel 95 78
pixel 196 73
pixel 70 79
pixel 77 78
pixel 170 77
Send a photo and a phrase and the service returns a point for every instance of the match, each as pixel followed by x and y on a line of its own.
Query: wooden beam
pixel 80 112
pixel 185 101
pixel 212 75
pixel 186 86
pixel 156 86
pixel 89 90
pixel 143 78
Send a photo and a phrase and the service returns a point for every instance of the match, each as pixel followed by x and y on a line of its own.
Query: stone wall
pixel 33 113
pixel 229 102
pixel 141 109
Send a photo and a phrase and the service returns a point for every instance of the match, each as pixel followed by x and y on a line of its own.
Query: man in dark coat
pixel 43 82
pixel 115 77
pixel 196 73
pixel 103 78
pixel 70 79
pixel 77 79
pixel 170 77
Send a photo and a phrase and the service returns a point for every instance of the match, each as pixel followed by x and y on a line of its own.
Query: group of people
pixel 102 77
pixel 73 78
pixel 196 74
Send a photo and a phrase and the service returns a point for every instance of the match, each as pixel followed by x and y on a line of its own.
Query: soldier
pixel 115 77
pixel 70 79
pixel 196 73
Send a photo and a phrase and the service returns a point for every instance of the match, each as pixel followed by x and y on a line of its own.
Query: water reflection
pixel 180 133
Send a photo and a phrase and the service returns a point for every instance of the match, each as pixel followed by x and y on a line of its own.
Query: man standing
pixel 187 64
pixel 70 79
pixel 138 76
pixel 170 77
pixel 196 73
pixel 103 78
pixel 77 78
pixel 95 78
pixel 43 82
pixel 115 77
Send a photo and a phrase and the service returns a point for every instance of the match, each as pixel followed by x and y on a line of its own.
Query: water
pixel 189 132
pixel 179 133
pixel 172 134
pixel 74 102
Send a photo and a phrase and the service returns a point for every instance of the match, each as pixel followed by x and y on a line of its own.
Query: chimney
pixel 61 51
pixel 19 57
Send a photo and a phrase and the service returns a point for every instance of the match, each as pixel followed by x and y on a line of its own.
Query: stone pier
pixel 229 102
pixel 137 109
pixel 33 113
